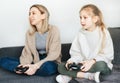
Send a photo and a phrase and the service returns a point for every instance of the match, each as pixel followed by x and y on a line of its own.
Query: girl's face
pixel 35 16
pixel 87 20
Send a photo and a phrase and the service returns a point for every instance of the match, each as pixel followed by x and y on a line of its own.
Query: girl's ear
pixel 95 19
pixel 43 16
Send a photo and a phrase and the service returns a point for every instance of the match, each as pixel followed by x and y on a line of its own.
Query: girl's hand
pixel 87 65
pixel 32 69
pixel 67 63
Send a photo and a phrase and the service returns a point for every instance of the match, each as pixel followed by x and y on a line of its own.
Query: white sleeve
pixel 77 50
pixel 107 53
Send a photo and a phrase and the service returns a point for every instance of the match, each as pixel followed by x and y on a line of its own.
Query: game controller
pixel 21 69
pixel 75 66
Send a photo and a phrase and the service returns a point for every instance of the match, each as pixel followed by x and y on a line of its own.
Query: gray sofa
pixel 10 77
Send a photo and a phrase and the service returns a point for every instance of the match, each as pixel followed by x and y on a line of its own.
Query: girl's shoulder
pixel 80 33
pixel 107 32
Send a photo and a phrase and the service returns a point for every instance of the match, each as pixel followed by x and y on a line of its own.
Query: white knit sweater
pixel 88 45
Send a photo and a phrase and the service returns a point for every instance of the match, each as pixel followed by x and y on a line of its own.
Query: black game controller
pixel 21 69
pixel 75 66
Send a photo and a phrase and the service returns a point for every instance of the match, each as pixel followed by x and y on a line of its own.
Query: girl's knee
pixel 61 67
pixel 102 67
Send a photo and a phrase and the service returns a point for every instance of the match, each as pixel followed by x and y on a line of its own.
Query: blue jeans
pixel 48 68
pixel 9 63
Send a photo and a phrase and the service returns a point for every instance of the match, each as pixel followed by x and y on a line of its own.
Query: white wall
pixel 63 13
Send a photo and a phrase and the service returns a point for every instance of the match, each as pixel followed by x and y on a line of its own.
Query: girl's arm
pixel 107 53
pixel 78 49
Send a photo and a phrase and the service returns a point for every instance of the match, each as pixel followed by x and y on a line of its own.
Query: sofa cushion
pixel 10 77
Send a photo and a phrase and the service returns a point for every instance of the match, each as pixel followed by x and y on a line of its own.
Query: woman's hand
pixel 87 65
pixel 32 69
pixel 18 72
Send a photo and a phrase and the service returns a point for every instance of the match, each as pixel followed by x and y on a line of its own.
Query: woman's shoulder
pixel 53 28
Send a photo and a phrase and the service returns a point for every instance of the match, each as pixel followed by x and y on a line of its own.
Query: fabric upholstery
pixel 9 77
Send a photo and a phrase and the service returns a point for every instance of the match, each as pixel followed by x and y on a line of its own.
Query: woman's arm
pixel 26 57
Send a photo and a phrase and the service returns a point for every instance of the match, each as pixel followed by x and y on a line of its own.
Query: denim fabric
pixel 48 68
pixel 9 63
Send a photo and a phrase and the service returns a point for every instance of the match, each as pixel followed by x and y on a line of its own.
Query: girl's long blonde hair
pixel 45 25
pixel 90 8
pixel 94 9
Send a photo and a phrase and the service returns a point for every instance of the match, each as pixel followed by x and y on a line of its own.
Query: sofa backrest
pixel 16 51
pixel 65 51
pixel 115 34
pixel 11 51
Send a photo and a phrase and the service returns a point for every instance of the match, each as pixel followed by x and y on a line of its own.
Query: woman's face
pixel 87 20
pixel 35 16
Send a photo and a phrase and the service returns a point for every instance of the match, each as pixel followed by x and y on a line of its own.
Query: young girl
pixel 42 48
pixel 93 47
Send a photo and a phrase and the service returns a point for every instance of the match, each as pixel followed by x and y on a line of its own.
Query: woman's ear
pixel 43 16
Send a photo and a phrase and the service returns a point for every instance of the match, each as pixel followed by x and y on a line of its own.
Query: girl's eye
pixel 29 13
pixel 33 13
pixel 85 17
pixel 80 17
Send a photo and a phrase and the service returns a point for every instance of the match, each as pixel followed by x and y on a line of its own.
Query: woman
pixel 42 48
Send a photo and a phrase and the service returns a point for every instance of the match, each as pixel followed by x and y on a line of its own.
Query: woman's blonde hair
pixel 44 27
pixel 90 8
